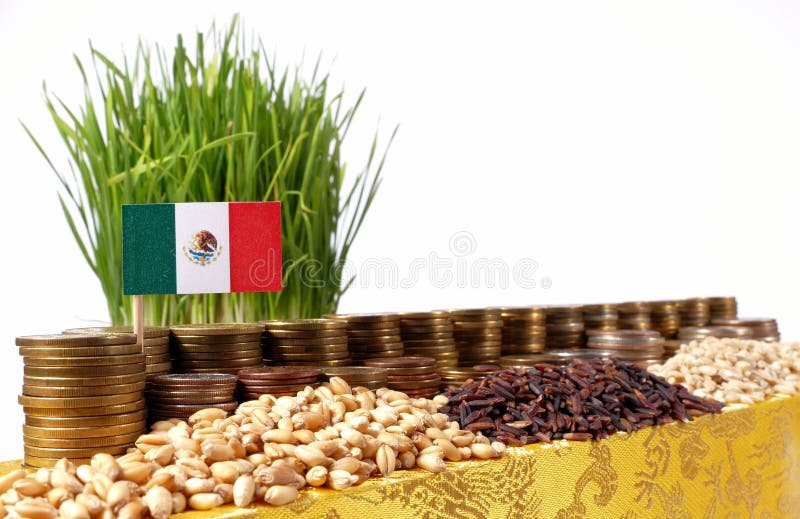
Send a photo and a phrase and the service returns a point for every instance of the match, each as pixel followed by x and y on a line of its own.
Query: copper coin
pixel 432 314
pixel 158 350
pixel 317 363
pixel 379 354
pixel 431 351
pixel 422 393
pixel 306 324
pixel 75 340
pixel 85 443
pixel 372 332
pixel 86 421
pixel 440 321
pixel 413 338
pixel 424 377
pixel 278 373
pixel 378 339
pixel 228 355
pixel 279 387
pixel 309 341
pixel 216 339
pixel 80 351
pixel 103 410
pixel 83 381
pixel 207 371
pixel 215 329
pixel 331 348
pixel 161 367
pixel 214 348
pixel 366 318
pixel 304 334
pixel 428 329
pixel 402 362
pixel 228 363
pixel 107 360
pixel 191 379
pixel 309 356
pixel 356 374
pixel 306 380
pixel 429 342
pixel 376 347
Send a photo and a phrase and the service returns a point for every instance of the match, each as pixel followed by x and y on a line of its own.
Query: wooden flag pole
pixel 138 320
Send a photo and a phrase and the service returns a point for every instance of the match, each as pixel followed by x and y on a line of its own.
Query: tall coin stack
pixel 763 328
pixel 82 394
pixel 216 348
pixel 664 318
pixel 479 335
pixel 640 346
pixel 600 317
pixel 156 345
pixel 564 326
pixel 694 311
pixel 722 307
pixel 172 395
pixel 370 378
pixel 523 330
pixel 372 335
pixel 414 376
pixel 429 334
pixel 306 342
pixel 634 316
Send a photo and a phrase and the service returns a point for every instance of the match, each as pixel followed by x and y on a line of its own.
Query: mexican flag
pixel 199 248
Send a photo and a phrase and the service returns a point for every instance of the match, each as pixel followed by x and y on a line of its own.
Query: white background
pixel 634 150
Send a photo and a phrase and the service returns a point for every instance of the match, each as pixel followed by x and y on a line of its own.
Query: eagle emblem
pixel 203 249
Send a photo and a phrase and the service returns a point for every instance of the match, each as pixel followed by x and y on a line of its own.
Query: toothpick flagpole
pixel 138 320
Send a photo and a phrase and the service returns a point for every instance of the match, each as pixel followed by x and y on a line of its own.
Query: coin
pixel 86 421
pixel 309 356
pixel 193 408
pixel 72 340
pixel 235 347
pixel 83 371
pixel 402 363
pixel 262 389
pixel 378 354
pixel 158 368
pixel 74 453
pixel 81 432
pixel 357 374
pixel 78 402
pixel 231 363
pixel 315 341
pixel 412 337
pixel 317 363
pixel 78 391
pixel 216 339
pixel 37 462
pixel 366 318
pixel 222 356
pixel 83 381
pixel 192 379
pixel 189 398
pixel 433 314
pixel 85 443
pixel 102 410
pixel 150 332
pixel 156 350
pixel 79 351
pixel 436 321
pixel 216 329
pixel 278 373
pixel 303 334
pixel 157 359
pixel 306 324
pixel 378 339
pixel 331 348
pixel 108 360
pixel 429 342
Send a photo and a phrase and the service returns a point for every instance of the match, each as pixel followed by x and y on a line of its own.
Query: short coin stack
pixel 564 327
pixel 641 346
pixel 414 376
pixel 81 394
pixel 634 315
pixel 372 335
pixel 306 342
pixel 429 334
pixel 216 348
pixel 156 345
pixel 276 381
pixel 698 333
pixel 694 311
pixel 763 328
pixel 457 377
pixel 479 335
pixel 664 318
pixel 182 395
pixel 722 307
pixel 370 378
pixel 600 317
pixel 523 330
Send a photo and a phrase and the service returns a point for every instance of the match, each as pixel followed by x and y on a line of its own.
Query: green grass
pixel 225 125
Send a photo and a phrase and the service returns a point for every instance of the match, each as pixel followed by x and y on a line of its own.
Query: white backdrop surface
pixel 627 150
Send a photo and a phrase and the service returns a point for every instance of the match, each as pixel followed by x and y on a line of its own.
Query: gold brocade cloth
pixel 743 463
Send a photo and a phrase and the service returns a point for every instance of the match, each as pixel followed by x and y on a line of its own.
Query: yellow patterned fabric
pixel 744 463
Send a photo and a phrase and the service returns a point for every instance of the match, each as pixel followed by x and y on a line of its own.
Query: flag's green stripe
pixel 148 249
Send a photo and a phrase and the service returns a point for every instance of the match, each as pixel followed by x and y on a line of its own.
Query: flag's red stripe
pixel 255 234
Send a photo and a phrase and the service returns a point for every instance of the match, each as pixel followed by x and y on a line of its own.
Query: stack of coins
pixel 564 327
pixel 694 311
pixel 697 333
pixel 642 346
pixel 634 315
pixel 453 378
pixel 763 328
pixel 664 318
pixel 479 335
pixel 429 334
pixel 671 347
pixel 156 345
pixel 553 357
pixel 722 307
pixel 523 330
pixel 276 381
pixel 370 378
pixel 414 376
pixel 182 395
pixel 600 317
pixel 372 335
pixel 306 342
pixel 82 394
pixel 216 348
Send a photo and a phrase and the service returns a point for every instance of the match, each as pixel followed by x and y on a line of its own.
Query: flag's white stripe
pixel 215 275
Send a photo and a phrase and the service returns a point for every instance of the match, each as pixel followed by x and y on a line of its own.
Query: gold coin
pixel 157 359
pixel 83 381
pixel 75 453
pixel 306 324
pixel 223 355
pixel 365 318
pixel 217 329
pixel 379 339
pixel 70 340
pixel 315 363
pixel 83 371
pixel 150 332
pixel 425 323
pixel 155 350
pixel 309 356
pixel 81 432
pixel 334 348
pixel 104 410
pixel 80 351
pixel 360 348
pixel 304 334
pixel 357 374
pixel 230 363
pixel 76 391
pixel 372 332
pixel 158 368
pixel 108 360
pixel 36 462
pixel 78 402
pixel 214 348
pixel 216 339
pixel 85 443
pixel 433 314
pixel 86 421
pixel 317 341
